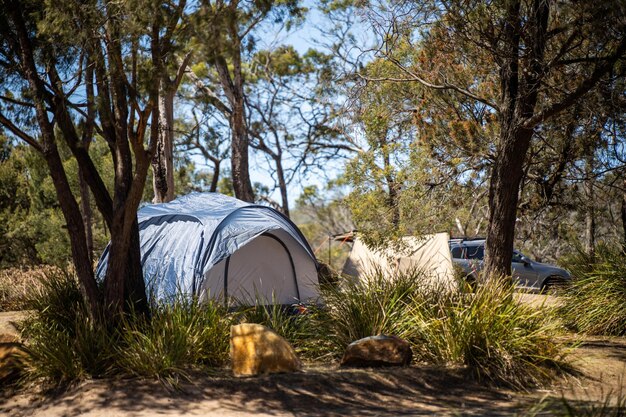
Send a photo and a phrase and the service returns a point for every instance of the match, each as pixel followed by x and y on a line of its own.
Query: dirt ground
pixel 328 391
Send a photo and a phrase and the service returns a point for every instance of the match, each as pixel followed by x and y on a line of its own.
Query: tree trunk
pixel 216 176
pixel 117 267
pixel 590 215
pixel 239 153
pixel 69 206
pixel 81 256
pixel 233 89
pixel 506 176
pixel 86 211
pixel 392 194
pixel 163 160
pixel 519 92
pixel 135 289
pixel 623 212
pixel 282 185
pixel 124 282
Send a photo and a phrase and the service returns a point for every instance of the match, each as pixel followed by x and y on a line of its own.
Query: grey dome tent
pixel 214 246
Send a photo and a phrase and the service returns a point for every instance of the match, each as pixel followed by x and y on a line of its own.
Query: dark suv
pixel 530 275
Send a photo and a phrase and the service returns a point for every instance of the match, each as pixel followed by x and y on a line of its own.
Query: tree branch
pixel 213 98
pixel 20 133
pixel 445 86
pixel 600 70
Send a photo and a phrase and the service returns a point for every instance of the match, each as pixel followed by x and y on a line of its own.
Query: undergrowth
pixel 16 284
pixel 595 303
pixel 488 331
pixel 66 344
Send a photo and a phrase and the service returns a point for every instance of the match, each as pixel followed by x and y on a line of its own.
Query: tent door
pixel 291 263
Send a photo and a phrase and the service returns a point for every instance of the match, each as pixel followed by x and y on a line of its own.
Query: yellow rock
pixel 12 354
pixel 255 350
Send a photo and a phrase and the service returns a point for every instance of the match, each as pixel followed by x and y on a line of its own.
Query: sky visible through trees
pixel 496 118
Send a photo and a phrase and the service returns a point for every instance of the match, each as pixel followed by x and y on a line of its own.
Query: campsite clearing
pixel 327 391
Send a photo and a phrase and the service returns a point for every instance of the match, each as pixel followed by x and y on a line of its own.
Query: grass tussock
pixel 595 303
pixel 65 344
pixel 488 331
pixel 496 337
pixel 180 335
pixel 371 306
pixel 298 324
pixel 17 284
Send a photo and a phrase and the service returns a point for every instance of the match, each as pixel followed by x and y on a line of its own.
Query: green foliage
pixel 489 331
pixel 398 185
pixel 31 223
pixel 496 337
pixel 179 335
pixel 66 344
pixel 29 220
pixel 320 215
pixel 595 303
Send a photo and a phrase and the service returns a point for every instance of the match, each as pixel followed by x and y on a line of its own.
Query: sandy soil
pixel 315 392
pixel 328 391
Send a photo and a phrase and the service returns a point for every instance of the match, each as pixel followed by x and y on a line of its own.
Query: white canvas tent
pixel 430 254
pixel 211 245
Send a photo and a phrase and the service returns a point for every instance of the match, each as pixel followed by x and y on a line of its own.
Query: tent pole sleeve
pixel 226 279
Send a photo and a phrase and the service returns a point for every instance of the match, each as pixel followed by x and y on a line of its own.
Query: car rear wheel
pixel 553 285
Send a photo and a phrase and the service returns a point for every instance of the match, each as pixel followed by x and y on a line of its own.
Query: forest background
pixel 502 119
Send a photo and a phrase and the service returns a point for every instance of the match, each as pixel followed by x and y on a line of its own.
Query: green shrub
pixel 497 336
pixel 488 331
pixel 180 335
pixel 595 303
pixel 64 342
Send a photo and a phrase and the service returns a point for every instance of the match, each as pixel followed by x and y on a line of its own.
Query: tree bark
pixel 233 89
pixel 519 92
pixel 590 215
pixel 623 213
pixel 506 176
pixel 239 151
pixel 163 183
pixel 85 205
pixel 216 175
pixel 163 159
pixel 76 228
pixel 282 185
pixel 69 206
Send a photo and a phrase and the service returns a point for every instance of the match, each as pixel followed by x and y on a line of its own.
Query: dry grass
pixel 16 284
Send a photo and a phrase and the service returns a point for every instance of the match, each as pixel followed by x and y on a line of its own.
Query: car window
pixel 476 252
pixel 457 252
